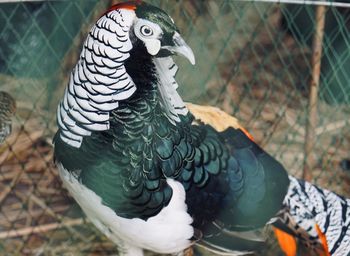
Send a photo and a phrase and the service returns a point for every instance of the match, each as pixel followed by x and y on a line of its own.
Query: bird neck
pixel 146 105
pixel 154 78
pixel 141 68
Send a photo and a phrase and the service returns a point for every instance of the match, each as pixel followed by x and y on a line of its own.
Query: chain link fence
pixel 253 60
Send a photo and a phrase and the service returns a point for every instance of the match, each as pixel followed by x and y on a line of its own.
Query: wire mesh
pixel 253 61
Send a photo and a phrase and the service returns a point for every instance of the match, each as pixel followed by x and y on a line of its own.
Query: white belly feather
pixel 167 232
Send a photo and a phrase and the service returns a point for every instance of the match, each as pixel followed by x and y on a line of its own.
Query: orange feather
pixel 217 118
pixel 323 241
pixel 286 241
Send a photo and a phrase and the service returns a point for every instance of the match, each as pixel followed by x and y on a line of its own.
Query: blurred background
pixel 254 60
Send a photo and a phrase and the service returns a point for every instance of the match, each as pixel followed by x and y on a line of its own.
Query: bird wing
pixel 245 194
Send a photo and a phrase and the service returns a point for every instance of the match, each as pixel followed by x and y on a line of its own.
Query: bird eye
pixel 146 30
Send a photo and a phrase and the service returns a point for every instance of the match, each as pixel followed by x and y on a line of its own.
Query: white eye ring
pixel 146 30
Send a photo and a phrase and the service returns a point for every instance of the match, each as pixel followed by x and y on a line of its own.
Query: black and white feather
pixel 99 80
pixel 7 110
pixel 308 206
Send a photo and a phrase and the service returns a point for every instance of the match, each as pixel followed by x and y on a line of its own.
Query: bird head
pixel 156 30
pixel 111 68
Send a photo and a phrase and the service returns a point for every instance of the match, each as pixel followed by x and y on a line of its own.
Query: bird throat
pixel 157 73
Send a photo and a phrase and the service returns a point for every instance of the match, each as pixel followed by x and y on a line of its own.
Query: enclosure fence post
pixel 311 123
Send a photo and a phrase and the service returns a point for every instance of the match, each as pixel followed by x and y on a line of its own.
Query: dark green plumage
pixel 227 177
pixel 225 174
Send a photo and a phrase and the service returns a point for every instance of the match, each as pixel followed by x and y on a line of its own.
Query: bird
pixel 7 111
pixel 154 173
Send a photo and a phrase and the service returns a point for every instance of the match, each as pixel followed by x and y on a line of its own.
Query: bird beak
pixel 180 47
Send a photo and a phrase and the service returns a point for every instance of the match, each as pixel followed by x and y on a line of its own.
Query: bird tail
pixel 318 218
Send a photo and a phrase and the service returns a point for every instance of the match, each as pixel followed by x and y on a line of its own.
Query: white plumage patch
pixel 171 100
pixel 150 39
pixel 167 232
